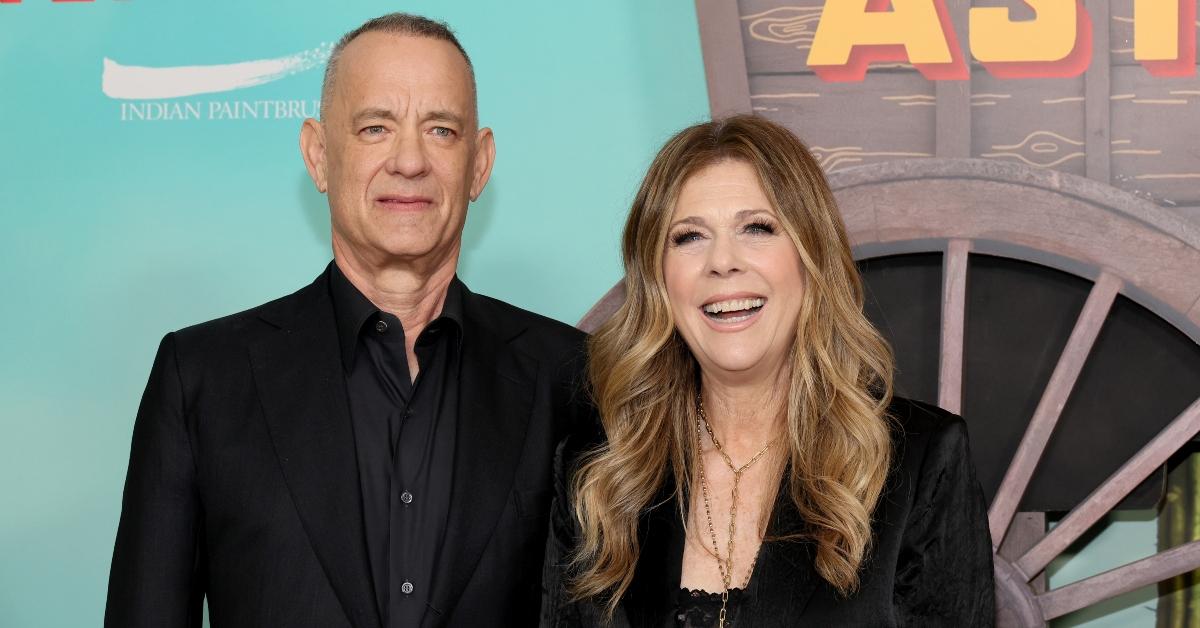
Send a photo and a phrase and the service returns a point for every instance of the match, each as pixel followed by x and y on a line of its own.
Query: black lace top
pixel 702 609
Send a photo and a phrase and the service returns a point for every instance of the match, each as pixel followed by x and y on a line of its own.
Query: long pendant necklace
pixel 725 565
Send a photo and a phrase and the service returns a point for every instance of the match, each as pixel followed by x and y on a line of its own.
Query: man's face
pixel 398 151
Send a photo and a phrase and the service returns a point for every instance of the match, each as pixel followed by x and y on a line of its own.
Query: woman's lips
pixel 733 314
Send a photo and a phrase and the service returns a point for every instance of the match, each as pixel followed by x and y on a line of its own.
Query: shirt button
pixel 380 326
pixel 406 588
pixel 406 497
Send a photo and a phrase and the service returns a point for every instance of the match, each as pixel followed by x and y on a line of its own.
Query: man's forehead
pixel 387 70
pixel 413 55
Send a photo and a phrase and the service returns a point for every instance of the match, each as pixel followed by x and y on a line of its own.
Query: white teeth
pixel 733 305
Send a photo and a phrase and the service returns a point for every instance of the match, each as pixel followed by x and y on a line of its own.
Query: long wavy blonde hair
pixel 644 378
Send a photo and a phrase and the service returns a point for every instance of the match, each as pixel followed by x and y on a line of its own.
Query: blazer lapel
pixel 496 389
pixel 783 582
pixel 299 377
pixel 651 594
pixel 785 575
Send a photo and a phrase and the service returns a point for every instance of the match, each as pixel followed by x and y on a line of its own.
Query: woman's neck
pixel 747 415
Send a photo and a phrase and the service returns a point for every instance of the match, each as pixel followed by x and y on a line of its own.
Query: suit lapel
pixel 495 400
pixel 298 374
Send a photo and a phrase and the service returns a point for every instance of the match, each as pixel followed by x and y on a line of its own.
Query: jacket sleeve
pixel 157 567
pixel 944 572
pixel 556 608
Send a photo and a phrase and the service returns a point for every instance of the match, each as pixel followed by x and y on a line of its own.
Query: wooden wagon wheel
pixel 1122 244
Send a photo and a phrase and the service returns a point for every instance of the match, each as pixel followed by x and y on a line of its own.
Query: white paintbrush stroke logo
pixel 132 82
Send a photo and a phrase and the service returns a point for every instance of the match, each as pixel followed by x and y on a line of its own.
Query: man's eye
pixel 442 131
pixel 374 129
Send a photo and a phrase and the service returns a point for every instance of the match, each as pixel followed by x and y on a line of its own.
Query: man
pixel 374 450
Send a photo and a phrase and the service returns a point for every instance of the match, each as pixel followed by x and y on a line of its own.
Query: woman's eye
pixel 684 237
pixel 760 228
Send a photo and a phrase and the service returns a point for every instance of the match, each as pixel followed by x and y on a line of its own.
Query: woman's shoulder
pixel 922 432
pixel 911 419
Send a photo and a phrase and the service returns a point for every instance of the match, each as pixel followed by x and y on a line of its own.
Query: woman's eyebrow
pixel 690 220
pixel 746 213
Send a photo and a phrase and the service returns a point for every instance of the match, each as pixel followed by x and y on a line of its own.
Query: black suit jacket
pixel 930 564
pixel 243 482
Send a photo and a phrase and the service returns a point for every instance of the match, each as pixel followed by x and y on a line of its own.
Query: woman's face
pixel 733 275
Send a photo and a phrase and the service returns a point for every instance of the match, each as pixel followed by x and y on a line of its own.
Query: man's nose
pixel 409 158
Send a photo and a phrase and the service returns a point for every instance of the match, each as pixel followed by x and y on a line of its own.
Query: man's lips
pixel 404 202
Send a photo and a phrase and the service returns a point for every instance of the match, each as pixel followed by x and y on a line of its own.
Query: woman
pixel 754 468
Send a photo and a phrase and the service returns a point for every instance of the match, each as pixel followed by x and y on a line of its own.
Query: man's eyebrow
pixel 372 114
pixel 444 115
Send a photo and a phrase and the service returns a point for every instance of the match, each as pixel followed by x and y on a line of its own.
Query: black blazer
pixel 243 483
pixel 930 565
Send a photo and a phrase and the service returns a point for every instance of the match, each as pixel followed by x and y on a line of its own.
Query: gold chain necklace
pixel 724 565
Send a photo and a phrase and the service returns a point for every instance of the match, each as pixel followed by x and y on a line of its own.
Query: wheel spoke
pixel 1114 489
pixel 1049 409
pixel 1123 579
pixel 954 311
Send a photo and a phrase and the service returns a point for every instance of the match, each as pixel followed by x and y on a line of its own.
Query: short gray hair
pixel 397 24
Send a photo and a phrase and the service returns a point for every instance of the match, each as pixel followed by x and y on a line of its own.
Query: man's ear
pixel 485 156
pixel 312 149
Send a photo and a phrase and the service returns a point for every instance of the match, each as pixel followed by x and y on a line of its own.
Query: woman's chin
pixel 739 367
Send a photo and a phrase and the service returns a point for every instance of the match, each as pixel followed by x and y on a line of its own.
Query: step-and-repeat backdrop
pixel 131 206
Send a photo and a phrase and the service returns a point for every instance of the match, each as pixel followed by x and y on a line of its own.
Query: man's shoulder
pixel 535 333
pixel 247 325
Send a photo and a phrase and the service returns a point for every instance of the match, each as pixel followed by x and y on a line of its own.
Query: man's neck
pixel 415 295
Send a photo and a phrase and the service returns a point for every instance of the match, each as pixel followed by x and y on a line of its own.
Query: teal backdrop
pixel 114 232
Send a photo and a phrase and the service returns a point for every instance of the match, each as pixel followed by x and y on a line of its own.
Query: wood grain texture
pixel 1034 122
pixel 1097 90
pixel 1155 134
pixel 851 124
pixel 1026 530
pixel 1123 579
pixel 724 57
pixel 954 314
pixel 954 97
pixel 778 35
pixel 1042 216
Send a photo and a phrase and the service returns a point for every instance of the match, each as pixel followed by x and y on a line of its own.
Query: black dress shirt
pixel 404 432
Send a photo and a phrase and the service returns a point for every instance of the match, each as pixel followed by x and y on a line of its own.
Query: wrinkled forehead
pixel 407 74
pixel 720 191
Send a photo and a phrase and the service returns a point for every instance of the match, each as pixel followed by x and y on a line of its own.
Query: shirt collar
pixel 352 310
